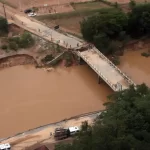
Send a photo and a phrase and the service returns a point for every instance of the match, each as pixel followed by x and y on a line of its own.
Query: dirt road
pixel 41 134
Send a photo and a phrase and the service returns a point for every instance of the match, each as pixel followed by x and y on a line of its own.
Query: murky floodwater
pixel 31 97
pixel 136 66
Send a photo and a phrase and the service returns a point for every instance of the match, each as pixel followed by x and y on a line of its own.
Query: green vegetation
pixel 13 45
pixel 139 20
pixel 132 4
pixel 47 58
pixel 104 29
pixel 88 6
pixel 145 54
pixel 24 41
pixel 4 47
pixel 82 13
pixel 68 57
pixel 125 125
pixel 3 26
pixel 109 27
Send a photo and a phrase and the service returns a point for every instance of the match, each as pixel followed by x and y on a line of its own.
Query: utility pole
pixel 4 11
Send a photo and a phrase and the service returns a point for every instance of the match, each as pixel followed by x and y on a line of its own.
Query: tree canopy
pixel 3 26
pixel 103 27
pixel 125 125
pixel 139 20
pixel 109 26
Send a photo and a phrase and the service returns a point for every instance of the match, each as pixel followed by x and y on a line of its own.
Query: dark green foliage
pixel 47 58
pixel 3 26
pixel 125 125
pixel 139 20
pixel 4 47
pixel 145 54
pixel 24 41
pixel 111 25
pixel 103 27
pixel 132 4
pixel 13 46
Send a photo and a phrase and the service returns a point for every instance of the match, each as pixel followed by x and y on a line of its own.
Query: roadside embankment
pixel 39 134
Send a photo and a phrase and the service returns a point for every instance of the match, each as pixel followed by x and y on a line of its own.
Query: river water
pixel 136 66
pixel 32 97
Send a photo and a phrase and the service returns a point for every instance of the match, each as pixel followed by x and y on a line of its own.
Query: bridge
pixel 104 68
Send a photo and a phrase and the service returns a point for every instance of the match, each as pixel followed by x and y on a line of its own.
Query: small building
pixel 5 146
pixel 73 130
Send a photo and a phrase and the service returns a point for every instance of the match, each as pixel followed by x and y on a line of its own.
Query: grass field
pixel 89 6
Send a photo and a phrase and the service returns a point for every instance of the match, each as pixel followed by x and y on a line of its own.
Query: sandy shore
pixel 38 135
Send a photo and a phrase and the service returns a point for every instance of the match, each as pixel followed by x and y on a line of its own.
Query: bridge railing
pixel 99 73
pixel 123 74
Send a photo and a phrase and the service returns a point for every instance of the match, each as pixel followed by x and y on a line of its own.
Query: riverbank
pixel 37 97
pixel 32 137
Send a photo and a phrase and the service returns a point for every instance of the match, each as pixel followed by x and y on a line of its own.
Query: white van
pixel 5 146
pixel 73 130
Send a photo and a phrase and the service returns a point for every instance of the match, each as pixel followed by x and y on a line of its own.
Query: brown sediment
pixel 33 97
pixel 136 66
pixel 18 59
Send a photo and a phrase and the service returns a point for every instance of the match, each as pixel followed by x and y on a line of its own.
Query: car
pixel 28 11
pixel 32 14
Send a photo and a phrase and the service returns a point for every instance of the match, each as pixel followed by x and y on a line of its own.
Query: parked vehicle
pixel 28 11
pixel 73 130
pixel 5 146
pixel 61 133
pixel 32 14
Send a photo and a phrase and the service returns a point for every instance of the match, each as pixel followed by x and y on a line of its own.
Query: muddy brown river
pixel 31 97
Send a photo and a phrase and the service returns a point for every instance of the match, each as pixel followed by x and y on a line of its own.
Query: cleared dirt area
pixel 71 24
pixel 38 3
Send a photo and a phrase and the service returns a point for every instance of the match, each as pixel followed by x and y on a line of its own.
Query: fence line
pixel 123 74
pixel 99 73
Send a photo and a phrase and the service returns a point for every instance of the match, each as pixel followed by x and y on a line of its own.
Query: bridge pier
pixel 99 80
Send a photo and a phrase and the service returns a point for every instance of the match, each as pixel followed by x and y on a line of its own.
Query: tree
pixel 26 40
pixel 139 20
pixel 3 26
pixel 104 27
pixel 132 4
pixel 125 125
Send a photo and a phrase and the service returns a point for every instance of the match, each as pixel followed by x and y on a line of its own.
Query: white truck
pixel 5 146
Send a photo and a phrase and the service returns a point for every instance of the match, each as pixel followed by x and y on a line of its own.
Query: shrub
pixel 4 47
pixel 47 58
pixel 26 40
pixel 3 26
pixel 13 46
pixel 145 54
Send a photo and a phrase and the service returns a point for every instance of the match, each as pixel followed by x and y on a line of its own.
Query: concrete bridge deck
pixel 104 69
